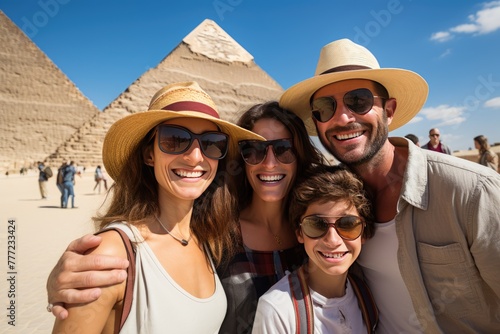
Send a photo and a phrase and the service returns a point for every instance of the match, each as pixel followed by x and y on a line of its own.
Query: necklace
pixel 183 241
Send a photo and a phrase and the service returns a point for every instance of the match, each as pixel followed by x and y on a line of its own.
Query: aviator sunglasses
pixel 359 101
pixel 348 227
pixel 254 151
pixel 173 139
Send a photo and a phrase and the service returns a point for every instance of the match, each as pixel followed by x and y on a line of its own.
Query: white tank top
pixel 160 305
pixel 380 266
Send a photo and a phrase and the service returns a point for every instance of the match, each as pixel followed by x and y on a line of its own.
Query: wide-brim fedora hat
pixel 177 100
pixel 343 60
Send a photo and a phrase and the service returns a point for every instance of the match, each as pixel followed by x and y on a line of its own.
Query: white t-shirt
pixel 275 313
pixel 380 266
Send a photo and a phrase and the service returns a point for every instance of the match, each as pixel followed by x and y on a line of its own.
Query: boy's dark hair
pixel 322 184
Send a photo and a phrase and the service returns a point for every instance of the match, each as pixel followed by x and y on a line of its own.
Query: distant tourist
pixel 487 157
pixel 435 144
pixel 100 177
pixel 42 180
pixel 60 180
pixel 413 138
pixel 68 183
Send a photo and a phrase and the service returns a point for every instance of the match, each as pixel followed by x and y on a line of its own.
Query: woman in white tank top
pixel 164 162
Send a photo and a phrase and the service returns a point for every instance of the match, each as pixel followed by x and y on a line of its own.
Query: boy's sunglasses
pixel 254 151
pixel 173 139
pixel 359 101
pixel 347 227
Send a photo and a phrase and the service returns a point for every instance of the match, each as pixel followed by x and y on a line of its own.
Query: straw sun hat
pixel 183 99
pixel 343 60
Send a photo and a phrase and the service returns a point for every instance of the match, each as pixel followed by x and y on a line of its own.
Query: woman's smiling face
pixel 186 175
pixel 271 180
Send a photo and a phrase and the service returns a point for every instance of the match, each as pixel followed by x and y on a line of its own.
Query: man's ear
pixel 390 109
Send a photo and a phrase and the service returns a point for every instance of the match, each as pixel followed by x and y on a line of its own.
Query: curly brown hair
pixel 321 184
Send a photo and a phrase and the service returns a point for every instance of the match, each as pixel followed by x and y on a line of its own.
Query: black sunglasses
pixel 255 151
pixel 348 227
pixel 173 139
pixel 359 101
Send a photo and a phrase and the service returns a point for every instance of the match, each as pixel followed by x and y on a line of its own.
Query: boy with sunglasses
pixel 332 217
pixel 433 263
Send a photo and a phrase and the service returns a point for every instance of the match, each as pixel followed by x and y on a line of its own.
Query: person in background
pixel 100 177
pixel 68 184
pixel 42 180
pixel 332 217
pixel 413 138
pixel 104 180
pixel 173 198
pixel 60 180
pixel 435 144
pixel 432 264
pixel 487 157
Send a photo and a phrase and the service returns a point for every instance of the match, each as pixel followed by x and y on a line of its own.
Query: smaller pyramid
pixel 40 108
pixel 208 55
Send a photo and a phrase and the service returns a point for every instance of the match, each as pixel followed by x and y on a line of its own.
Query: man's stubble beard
pixel 374 147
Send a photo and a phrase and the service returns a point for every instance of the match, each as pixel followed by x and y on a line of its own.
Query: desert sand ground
pixel 42 232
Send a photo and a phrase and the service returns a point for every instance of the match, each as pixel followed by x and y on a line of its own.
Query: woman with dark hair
pixel 487 157
pixel 268 247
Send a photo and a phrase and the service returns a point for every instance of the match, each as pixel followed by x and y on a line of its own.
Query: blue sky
pixel 104 46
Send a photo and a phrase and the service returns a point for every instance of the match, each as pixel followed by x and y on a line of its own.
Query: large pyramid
pixel 207 55
pixel 40 108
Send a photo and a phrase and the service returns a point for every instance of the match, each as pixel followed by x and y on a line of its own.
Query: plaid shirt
pixel 247 277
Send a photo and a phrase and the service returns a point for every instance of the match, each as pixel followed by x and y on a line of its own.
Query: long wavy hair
pixel 135 201
pixel 307 153
pixel 483 144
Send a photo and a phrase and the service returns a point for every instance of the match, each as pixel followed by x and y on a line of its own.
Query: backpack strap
pixel 365 301
pixel 302 304
pixel 129 287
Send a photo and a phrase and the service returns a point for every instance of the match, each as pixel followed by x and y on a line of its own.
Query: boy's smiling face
pixel 330 255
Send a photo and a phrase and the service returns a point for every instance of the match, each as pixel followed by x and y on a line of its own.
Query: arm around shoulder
pixel 97 316
pixel 77 278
